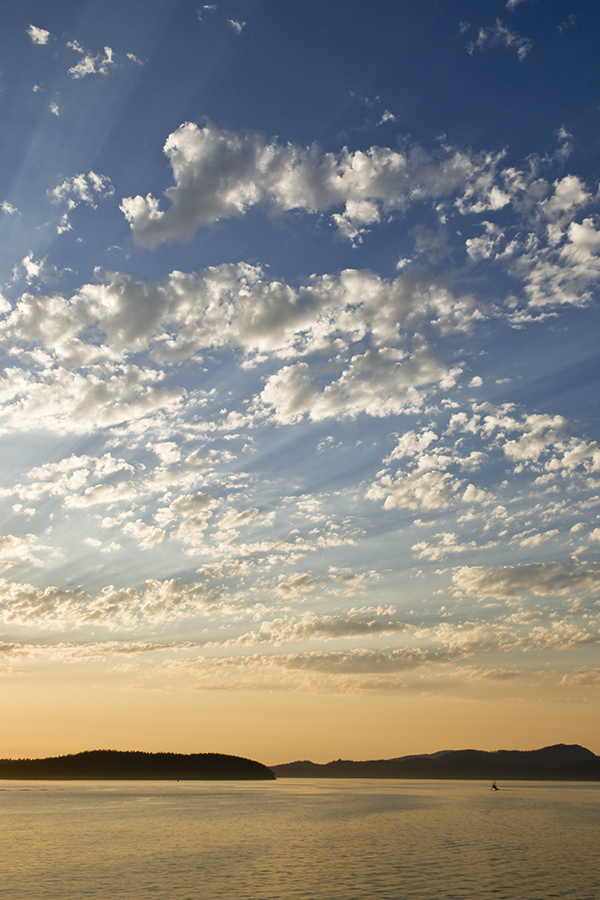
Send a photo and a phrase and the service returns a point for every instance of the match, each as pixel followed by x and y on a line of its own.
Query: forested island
pixel 136 765
pixel 561 762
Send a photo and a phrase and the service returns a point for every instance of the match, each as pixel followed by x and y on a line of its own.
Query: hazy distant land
pixel 561 762
pixel 136 765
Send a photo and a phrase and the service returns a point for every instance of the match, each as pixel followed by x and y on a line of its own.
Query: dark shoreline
pixel 117 765
pixel 561 762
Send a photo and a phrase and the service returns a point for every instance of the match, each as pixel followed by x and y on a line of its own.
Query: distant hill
pixel 561 762
pixel 136 765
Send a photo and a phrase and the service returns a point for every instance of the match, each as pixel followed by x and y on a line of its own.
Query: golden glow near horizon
pixel 54 718
pixel 299 386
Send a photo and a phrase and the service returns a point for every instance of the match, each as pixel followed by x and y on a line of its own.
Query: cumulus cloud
pixel 314 627
pixel 159 601
pixel 422 489
pixel 82 189
pixel 539 579
pixel 33 269
pixel 16 551
pixel 89 64
pixel 539 431
pixel 86 189
pixel 236 306
pixel 147 536
pixel 581 677
pixel 62 401
pixel 38 35
pixel 566 272
pixel 539 438
pixel 379 383
pixel 192 512
pixel 448 543
pixel 220 173
pixel 430 469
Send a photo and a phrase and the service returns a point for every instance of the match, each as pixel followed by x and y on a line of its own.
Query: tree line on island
pixel 136 766
pixel 561 762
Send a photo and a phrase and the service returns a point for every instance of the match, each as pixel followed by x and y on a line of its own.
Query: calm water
pixel 356 840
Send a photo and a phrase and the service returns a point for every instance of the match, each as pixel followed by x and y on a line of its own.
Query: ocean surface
pixel 299 840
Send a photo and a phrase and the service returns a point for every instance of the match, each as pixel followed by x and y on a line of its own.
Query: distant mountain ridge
pixel 136 765
pixel 560 762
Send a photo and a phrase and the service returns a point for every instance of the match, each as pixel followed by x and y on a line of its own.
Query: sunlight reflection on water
pixel 299 840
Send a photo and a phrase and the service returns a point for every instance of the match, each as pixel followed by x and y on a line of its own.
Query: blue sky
pixel 300 383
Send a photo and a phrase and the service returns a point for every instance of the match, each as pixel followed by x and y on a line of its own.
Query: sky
pixel 299 341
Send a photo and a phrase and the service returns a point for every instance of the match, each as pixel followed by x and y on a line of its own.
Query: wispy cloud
pixel 499 35
pixel 89 64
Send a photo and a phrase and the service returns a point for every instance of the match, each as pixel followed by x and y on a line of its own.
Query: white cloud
pixel 569 193
pixel 540 431
pixel 219 174
pixel 63 401
pixel 192 513
pixel 35 269
pixel 422 489
pixel 236 25
pixel 148 536
pixel 38 35
pixel 539 579
pixel 312 627
pixel 82 188
pixel 379 383
pixel 88 64
pixel 159 601
pixel 535 539
pixel 412 444
pixel 575 453
pixel 236 306
pixel 16 552
pixel 299 584
pixel 448 543
pixel 426 469
pixel 8 208
pixel 567 271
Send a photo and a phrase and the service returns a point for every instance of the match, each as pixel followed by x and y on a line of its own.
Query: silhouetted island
pixel 136 765
pixel 561 762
